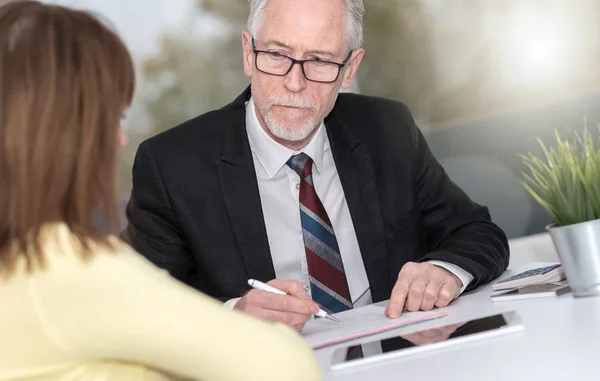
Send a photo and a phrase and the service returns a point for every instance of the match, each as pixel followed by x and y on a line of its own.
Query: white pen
pixel 265 287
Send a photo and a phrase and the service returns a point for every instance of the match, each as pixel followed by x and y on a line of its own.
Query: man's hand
pixel 421 286
pixel 293 309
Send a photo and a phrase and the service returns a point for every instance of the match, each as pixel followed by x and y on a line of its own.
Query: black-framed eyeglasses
pixel 280 65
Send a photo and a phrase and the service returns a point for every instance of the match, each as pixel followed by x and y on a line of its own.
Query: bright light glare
pixel 535 51
pixel 539 51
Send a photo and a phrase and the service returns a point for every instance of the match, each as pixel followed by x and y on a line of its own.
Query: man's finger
pixel 415 293
pixel 397 299
pixel 296 321
pixel 291 287
pixel 431 293
pixel 298 327
pixel 400 290
pixel 289 303
pixel 447 294
pixel 288 318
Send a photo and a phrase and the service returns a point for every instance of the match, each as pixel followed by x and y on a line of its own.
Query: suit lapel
pixel 357 176
pixel 241 194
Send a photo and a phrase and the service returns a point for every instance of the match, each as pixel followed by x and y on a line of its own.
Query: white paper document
pixel 359 322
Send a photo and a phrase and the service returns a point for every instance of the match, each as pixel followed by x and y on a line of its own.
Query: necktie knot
pixel 301 164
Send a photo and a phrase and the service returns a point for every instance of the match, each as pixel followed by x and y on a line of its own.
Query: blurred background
pixel 483 78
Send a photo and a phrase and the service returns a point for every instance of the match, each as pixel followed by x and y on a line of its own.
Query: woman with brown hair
pixel 77 304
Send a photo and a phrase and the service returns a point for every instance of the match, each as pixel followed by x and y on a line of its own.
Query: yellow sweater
pixel 118 317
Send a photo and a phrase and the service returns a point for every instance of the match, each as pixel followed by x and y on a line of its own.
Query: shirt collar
pixel 271 154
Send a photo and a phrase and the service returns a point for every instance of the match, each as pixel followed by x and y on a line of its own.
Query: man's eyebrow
pixel 321 52
pixel 314 51
pixel 278 44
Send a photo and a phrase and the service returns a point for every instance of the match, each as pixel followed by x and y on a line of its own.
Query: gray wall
pixel 482 157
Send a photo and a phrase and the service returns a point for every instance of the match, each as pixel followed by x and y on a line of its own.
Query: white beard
pixel 294 127
pixel 291 131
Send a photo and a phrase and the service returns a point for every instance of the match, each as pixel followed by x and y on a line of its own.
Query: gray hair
pixel 355 10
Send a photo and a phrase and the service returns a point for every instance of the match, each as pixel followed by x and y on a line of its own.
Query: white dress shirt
pixel 279 188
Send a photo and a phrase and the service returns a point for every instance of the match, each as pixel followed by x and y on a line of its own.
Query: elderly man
pixel 333 198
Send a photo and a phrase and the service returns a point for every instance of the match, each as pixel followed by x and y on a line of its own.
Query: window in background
pixel 483 78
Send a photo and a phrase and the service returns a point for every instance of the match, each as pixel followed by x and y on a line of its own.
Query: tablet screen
pixel 431 336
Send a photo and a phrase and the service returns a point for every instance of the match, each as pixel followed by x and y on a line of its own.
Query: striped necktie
pixel 328 284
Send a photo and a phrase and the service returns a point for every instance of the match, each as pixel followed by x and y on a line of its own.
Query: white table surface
pixel 560 341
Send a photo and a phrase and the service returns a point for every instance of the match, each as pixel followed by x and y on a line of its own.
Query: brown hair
pixel 65 80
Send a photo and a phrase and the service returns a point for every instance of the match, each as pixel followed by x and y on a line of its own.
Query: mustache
pixel 293 101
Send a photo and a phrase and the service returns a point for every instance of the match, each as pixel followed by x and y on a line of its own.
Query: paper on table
pixel 360 322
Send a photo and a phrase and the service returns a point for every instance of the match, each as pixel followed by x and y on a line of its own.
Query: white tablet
pixel 426 340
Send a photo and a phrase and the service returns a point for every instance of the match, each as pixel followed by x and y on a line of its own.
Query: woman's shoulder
pixel 66 253
pixel 112 273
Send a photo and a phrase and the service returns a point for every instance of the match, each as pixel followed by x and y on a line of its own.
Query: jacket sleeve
pixel 152 227
pixel 459 231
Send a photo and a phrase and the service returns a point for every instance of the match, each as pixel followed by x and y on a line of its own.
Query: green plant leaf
pixel 565 180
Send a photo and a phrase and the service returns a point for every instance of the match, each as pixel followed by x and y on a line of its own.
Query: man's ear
pixel 248 54
pixel 352 67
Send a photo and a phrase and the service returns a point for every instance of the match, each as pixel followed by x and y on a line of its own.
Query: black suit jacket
pixel 195 208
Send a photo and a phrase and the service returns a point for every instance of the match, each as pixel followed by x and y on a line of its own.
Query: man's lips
pixel 291 107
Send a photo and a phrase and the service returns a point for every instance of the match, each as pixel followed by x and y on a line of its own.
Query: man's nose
pixel 295 80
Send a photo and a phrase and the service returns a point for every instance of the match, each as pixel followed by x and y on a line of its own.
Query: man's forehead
pixel 301 38
pixel 317 46
pixel 286 19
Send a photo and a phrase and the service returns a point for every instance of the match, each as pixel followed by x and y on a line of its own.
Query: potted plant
pixel 566 182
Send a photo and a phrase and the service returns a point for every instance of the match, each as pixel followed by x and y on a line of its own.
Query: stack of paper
pixel 360 322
